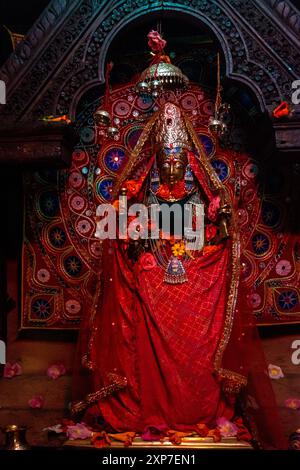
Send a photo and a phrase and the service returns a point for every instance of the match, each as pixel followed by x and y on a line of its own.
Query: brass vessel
pixel 15 437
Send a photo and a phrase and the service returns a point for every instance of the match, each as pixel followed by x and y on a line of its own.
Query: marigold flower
pixel 178 249
pixel 202 429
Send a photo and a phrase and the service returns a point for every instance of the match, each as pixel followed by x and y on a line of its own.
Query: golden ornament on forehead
pixel 170 129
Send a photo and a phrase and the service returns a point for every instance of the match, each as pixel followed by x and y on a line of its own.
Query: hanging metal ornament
pixel 102 117
pixel 156 85
pixel 224 130
pixel 224 109
pixel 161 74
pixel 164 75
pixel 216 124
pixel 113 132
pixel 142 88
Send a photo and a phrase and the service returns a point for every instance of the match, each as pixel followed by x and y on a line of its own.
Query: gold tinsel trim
pixel 228 374
pixel 233 383
pixel 135 155
pixel 117 383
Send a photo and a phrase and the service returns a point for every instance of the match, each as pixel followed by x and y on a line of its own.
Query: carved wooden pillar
pixel 24 147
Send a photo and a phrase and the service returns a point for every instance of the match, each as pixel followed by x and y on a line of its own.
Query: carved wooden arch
pixel 188 11
pixel 239 66
pixel 59 58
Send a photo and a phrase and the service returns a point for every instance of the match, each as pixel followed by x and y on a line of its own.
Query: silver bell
pixel 215 125
pixel 142 88
pixel 224 129
pixel 112 132
pixel 102 117
pixel 224 108
pixel 156 84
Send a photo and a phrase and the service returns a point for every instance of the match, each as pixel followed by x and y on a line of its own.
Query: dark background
pixel 18 16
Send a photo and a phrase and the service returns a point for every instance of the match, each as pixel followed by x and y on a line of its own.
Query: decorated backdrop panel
pixel 61 259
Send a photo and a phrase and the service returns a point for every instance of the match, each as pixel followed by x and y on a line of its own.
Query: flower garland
pixel 177 192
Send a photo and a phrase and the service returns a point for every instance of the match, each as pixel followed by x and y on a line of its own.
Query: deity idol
pixel 170 343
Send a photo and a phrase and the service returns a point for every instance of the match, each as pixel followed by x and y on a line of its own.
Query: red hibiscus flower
pixel 156 42
pixel 242 432
pixel 176 436
pixel 154 433
pixel 213 208
pixel 207 250
pixel 147 261
pixel 12 369
pixel 215 434
pixel 100 439
pixel 163 192
pixel 210 232
pixel 202 429
pixel 36 402
pixel 133 187
pixel 179 191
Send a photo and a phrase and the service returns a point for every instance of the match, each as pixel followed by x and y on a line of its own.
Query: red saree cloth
pixel 162 338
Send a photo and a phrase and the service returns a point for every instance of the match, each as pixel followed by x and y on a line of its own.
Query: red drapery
pixel 162 338
pixel 176 355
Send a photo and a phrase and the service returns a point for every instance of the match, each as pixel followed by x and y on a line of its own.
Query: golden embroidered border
pixel 202 155
pixel 235 381
pixel 117 383
pixel 86 358
pixel 225 373
pixel 133 159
